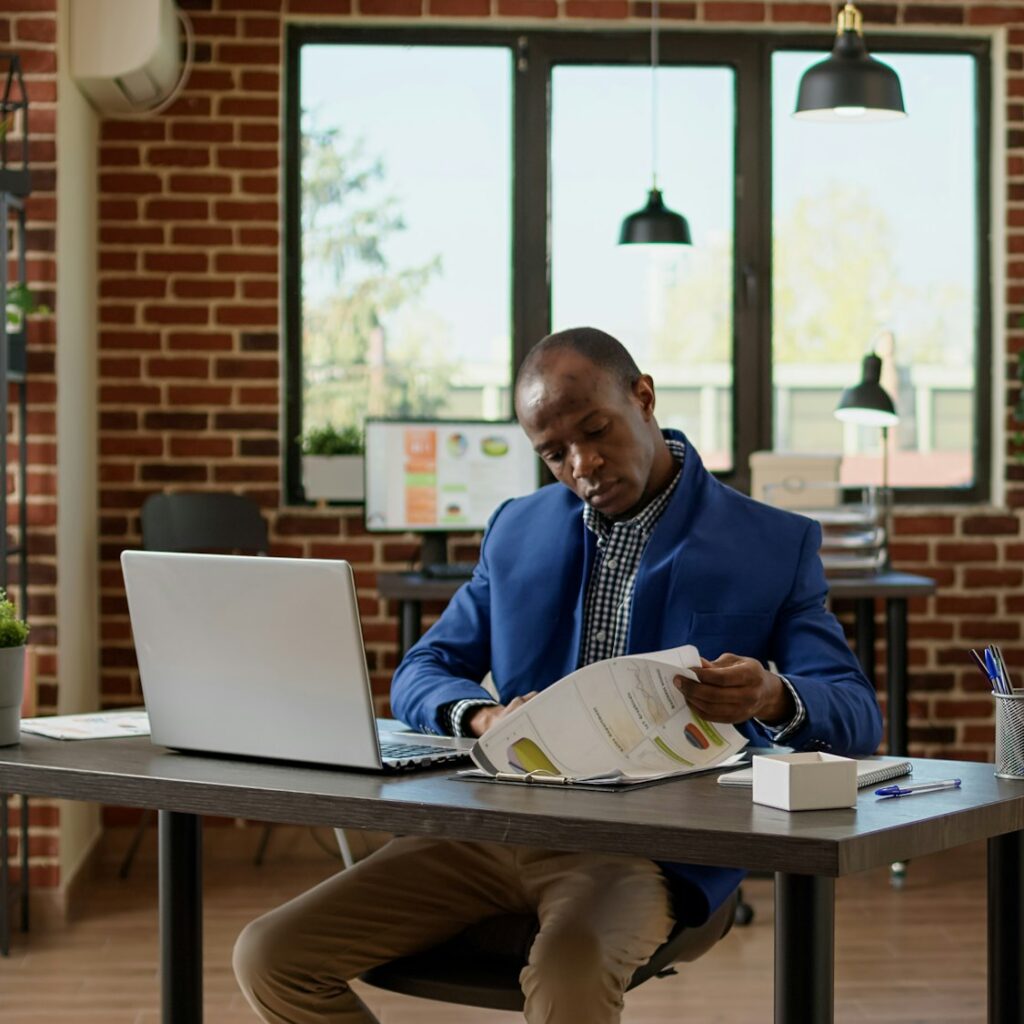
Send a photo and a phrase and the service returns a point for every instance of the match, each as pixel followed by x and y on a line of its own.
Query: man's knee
pixel 570 966
pixel 259 954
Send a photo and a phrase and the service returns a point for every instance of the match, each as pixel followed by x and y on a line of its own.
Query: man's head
pixel 589 413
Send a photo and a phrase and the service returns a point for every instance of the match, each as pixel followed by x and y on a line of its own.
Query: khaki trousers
pixel 600 917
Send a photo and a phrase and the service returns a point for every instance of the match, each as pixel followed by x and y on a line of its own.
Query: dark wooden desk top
pixel 692 819
pixel 413 586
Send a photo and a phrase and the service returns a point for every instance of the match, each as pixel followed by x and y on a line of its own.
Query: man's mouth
pixel 598 496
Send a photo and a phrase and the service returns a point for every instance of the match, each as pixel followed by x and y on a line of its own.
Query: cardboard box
pixel 805 782
pixel 795 479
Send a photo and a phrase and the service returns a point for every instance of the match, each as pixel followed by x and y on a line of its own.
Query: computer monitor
pixel 439 476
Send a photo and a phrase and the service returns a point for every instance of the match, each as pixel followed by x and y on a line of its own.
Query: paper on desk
pixel 100 725
pixel 620 720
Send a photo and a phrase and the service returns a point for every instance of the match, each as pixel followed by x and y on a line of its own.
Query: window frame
pixel 534 54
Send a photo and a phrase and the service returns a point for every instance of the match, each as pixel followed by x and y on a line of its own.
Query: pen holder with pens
pixel 1010 735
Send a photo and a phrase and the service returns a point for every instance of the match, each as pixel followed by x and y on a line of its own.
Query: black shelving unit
pixel 15 186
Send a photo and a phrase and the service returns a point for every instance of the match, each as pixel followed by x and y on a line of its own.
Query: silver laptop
pixel 261 657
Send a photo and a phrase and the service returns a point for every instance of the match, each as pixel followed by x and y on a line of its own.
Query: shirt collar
pixel 647 518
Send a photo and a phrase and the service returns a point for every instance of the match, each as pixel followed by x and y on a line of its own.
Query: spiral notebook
pixel 869 772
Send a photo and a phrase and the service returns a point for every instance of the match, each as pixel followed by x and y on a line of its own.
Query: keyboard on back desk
pixel 449 570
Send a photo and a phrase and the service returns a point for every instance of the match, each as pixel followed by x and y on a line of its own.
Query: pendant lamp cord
pixel 654 93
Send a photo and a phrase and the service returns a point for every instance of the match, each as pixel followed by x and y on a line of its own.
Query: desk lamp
pixel 868 404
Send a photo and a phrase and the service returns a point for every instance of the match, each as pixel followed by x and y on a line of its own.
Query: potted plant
pixel 332 463
pixel 13 634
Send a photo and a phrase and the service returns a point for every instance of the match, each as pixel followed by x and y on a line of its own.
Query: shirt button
pixel 612 563
pixel 600 635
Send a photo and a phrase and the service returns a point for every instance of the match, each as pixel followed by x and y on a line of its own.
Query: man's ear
pixel 643 394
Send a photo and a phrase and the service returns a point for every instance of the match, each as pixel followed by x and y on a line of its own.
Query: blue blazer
pixel 720 571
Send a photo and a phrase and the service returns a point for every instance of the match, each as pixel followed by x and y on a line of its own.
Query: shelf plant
pixel 13 636
pixel 332 463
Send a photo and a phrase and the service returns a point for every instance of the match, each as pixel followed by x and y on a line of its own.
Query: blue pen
pixel 886 792
pixel 993 671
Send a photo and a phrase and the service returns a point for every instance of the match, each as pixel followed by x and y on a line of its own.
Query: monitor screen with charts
pixel 443 475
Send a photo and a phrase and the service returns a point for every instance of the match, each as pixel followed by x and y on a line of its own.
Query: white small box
pixel 795 479
pixel 805 782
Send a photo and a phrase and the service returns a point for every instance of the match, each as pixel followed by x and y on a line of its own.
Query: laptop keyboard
pixel 400 754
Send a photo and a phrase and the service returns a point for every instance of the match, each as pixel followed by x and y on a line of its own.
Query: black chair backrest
pixel 203 522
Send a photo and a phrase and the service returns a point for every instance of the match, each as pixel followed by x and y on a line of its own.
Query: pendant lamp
pixel 849 85
pixel 655 223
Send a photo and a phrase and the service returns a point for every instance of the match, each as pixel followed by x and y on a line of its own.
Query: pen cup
pixel 1010 735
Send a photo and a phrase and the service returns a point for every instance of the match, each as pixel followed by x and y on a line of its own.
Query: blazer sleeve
pixel 811 651
pixel 449 661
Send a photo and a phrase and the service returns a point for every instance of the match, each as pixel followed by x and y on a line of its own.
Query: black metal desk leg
pixel 181 918
pixel 864 621
pixel 410 621
pixel 1005 929
pixel 804 949
pixel 24 864
pixel 896 672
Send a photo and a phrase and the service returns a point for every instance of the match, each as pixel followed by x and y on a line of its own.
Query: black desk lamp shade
pixel 655 224
pixel 867 402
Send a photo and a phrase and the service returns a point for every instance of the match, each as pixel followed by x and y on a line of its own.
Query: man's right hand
pixel 484 717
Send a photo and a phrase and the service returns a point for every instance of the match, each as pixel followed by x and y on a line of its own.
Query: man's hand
pixel 732 689
pixel 484 717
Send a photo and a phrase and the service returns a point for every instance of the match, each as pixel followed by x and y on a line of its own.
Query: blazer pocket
pixel 730 624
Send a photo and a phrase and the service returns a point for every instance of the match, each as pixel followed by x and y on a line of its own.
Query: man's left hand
pixel 733 689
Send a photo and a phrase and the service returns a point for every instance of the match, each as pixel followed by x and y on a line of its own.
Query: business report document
pixel 614 722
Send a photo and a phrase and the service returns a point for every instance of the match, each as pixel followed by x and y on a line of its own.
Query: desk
pixel 411 589
pixel 687 820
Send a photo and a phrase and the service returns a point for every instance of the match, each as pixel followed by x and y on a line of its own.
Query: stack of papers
pixel 99 725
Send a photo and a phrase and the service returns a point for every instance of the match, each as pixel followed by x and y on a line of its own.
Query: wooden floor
pixel 916 955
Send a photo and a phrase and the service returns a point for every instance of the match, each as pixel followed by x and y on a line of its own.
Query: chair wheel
pixel 744 914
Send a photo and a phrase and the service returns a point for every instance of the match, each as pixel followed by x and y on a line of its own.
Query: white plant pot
pixel 332 477
pixel 12 688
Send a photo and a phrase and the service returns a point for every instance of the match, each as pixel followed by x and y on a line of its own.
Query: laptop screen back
pixel 261 657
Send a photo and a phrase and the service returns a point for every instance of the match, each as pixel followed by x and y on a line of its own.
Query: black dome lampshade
pixel 849 85
pixel 868 403
pixel 655 224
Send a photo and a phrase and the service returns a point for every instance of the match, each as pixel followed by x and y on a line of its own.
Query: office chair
pixel 481 965
pixel 218 523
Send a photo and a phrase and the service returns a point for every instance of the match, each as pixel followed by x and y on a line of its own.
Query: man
pixel 640 550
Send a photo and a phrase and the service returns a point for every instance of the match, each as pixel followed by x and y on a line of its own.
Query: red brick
pixel 965 552
pixel 121 340
pixel 110 235
pixel 258 132
pixel 212 25
pixel 248 159
pixel 178 156
pixel 236 53
pixel 246 368
pixel 176 314
pixel 258 236
pixel 802 13
pixel 979 578
pixel 995 15
pixel 261 81
pixel 992 525
pixel 38 62
pixel 202 131
pixel 261 28
pixel 459 8
pixel 152 447
pixel 171 262
pixel 722 10
pixel 135 394
pixel 122 366
pixel 246 6
pixel 112 314
pixel 953 605
pixel 245 263
pixel 120 182
pixel 177 209
pixel 190 106
pixel 247 316
pixel 132 287
pixel 182 341
pixel 203 288
pixel 255 210
pixel 196 395
pixel 259 290
pixel 673 10
pixel 265 184
pixel 201 183
pixel 291 525
pixel 174 473
pixel 903 553
pixel 125 261
pixel 231 106
pixel 963 708
pixel 164 367
pixel 245 473
pixel 201 236
pixel 932 14
pixel 202 447
pixel 404 8
pixel 132 131
pixel 210 80
pixel 616 9
pixel 120 156
pixel 119 209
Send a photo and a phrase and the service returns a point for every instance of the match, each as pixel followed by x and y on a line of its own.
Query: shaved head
pixel 597 347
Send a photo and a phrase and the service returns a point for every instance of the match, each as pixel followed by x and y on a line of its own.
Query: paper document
pixel 616 721
pixel 100 725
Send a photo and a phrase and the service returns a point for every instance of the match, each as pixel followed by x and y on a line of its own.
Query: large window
pixel 452 196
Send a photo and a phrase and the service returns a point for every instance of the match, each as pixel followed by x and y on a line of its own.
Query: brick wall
pixel 29 28
pixel 190 354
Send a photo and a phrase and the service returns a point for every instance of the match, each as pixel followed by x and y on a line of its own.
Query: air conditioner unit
pixel 125 54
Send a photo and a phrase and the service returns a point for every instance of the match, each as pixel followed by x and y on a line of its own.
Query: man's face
pixel 596 435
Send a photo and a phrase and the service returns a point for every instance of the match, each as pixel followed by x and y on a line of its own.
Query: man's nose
pixel 585 462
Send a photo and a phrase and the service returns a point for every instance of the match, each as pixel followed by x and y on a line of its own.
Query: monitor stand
pixel 434 549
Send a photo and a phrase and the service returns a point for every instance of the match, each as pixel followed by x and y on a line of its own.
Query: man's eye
pixel 597 431
pixel 553 457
